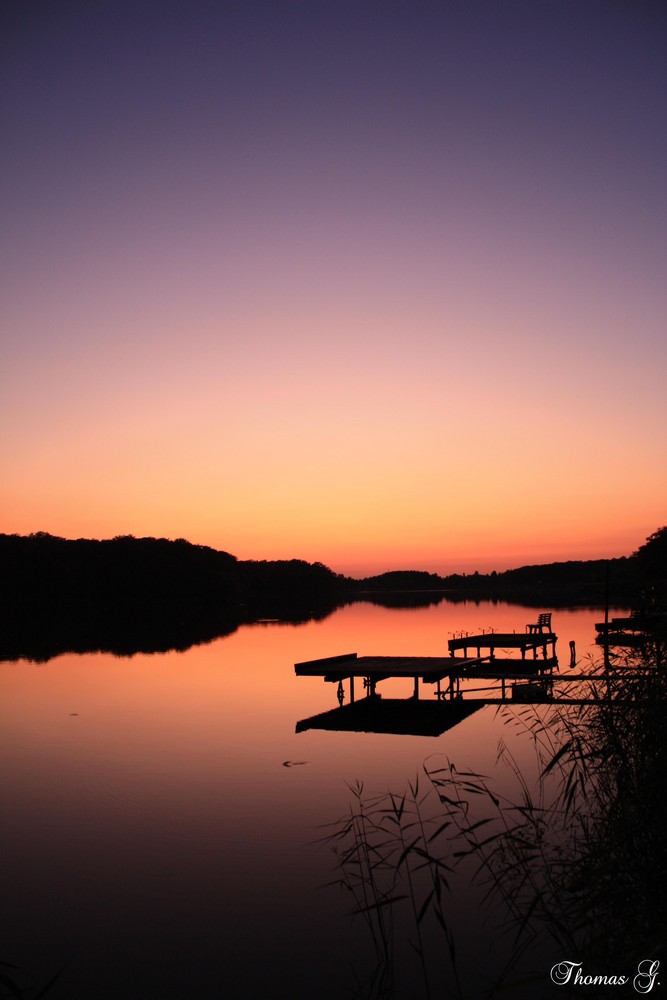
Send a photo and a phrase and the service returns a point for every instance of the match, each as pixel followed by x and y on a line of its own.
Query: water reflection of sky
pixel 155 839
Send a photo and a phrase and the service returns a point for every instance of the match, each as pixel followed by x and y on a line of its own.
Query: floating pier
pixel 527 677
pixel 633 631
pixel 537 649
pixel 539 644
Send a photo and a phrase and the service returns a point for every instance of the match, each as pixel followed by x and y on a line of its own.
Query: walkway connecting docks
pixel 635 631
pixel 525 659
pixel 481 656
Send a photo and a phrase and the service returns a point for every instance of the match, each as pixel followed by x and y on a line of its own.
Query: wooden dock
pixel 634 631
pixel 484 664
pixel 530 676
pixel 540 644
pixel 373 669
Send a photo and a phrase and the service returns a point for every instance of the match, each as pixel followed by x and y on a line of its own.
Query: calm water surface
pixel 153 842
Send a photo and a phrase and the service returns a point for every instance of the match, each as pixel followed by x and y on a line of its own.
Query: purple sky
pixel 254 251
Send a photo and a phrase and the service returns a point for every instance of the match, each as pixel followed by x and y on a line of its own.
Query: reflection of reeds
pixel 13 984
pixel 386 862
pixel 359 848
pixel 574 862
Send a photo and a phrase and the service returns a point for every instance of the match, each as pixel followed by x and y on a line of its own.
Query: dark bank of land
pixel 129 594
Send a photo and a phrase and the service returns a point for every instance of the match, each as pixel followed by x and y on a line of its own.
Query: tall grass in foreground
pixel 572 864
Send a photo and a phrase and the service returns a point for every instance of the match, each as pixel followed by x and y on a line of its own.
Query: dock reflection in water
pixel 396 716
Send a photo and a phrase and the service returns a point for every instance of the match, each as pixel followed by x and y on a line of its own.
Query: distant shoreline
pixel 131 594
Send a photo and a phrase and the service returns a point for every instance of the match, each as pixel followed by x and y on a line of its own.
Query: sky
pixel 376 284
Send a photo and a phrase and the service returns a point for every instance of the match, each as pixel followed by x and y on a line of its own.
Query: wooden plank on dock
pixel 304 667
pixel 429 668
pixel 504 640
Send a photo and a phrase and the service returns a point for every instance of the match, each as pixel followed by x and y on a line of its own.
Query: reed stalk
pixel 574 863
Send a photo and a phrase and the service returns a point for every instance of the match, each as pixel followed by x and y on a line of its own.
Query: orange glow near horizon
pixel 401 470
pixel 375 333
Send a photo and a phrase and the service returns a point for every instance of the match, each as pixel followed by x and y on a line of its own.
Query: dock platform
pixel 485 664
pixel 538 643
pixel 530 676
pixel 373 669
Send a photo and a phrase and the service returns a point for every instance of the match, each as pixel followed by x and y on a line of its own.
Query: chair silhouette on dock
pixel 543 623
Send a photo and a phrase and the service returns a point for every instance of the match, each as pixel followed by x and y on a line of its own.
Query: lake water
pixel 155 845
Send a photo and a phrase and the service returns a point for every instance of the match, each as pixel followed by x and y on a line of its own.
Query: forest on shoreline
pixel 128 594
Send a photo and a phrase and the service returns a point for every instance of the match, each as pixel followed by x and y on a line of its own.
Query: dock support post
pixel 416 693
pixel 351 690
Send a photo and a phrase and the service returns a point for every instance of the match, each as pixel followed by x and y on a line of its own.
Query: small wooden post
pixel 606 618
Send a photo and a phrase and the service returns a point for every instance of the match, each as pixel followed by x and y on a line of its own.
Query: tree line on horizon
pixel 125 565
pixel 109 591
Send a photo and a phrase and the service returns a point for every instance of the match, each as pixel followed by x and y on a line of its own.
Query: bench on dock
pixel 542 624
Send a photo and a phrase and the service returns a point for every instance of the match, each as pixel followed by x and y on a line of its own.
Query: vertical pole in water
pixel 416 688
pixel 606 617
pixel 351 689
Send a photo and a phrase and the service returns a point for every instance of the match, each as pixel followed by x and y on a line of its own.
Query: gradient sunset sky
pixel 381 284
